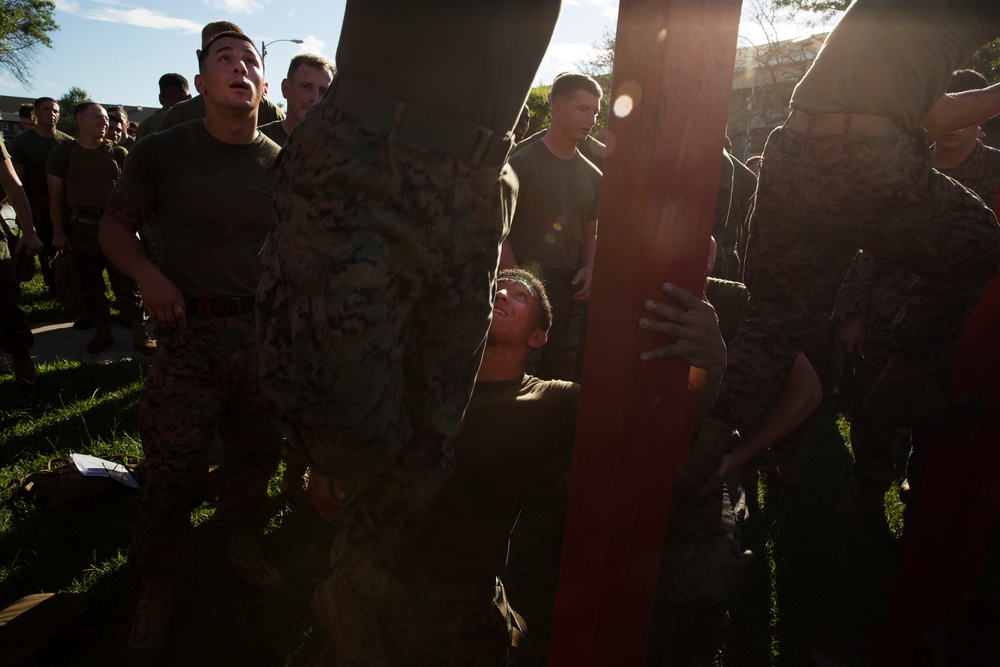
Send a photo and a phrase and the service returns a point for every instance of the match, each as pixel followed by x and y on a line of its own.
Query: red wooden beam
pixel 669 102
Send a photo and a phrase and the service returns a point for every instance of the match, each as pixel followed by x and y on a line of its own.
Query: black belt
pixel 230 306
pixel 412 125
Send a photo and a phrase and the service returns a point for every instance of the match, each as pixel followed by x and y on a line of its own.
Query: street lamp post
pixel 263 45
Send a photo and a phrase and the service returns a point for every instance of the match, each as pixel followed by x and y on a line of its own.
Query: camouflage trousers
pixel 372 312
pixel 442 625
pixel 83 235
pixel 703 564
pixel 15 333
pixel 203 380
pixel 561 357
pixel 819 198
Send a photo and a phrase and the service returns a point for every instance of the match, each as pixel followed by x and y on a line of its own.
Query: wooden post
pixel 669 102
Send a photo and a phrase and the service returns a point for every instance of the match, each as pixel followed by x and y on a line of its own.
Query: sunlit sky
pixel 116 50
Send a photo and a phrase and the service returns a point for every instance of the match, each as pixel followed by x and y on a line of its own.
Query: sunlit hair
pixel 311 59
pixel 966 79
pixel 119 113
pixel 42 100
pixel 83 106
pixel 567 83
pixel 26 110
pixel 216 28
pixel 544 312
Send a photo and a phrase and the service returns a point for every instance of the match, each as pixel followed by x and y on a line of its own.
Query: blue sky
pixel 117 49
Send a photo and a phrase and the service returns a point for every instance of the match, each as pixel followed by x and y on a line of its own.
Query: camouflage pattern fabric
pixel 473 630
pixel 203 379
pixel 702 567
pixel 15 333
pixel 373 311
pixel 878 291
pixel 819 198
pixel 83 236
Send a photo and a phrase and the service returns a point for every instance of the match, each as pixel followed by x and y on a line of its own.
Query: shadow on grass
pixel 71 407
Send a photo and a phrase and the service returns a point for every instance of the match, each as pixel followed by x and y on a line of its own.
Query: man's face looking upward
pixel 231 74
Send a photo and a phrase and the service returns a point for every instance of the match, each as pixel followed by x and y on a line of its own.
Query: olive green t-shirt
pixel 151 124
pixel 554 199
pixel 487 52
pixel 59 157
pixel 182 112
pixel 275 132
pixel 464 536
pixel 893 58
pixel 32 150
pixel 212 202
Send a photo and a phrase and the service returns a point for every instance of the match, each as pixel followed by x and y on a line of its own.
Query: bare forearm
pixel 18 198
pixel 955 111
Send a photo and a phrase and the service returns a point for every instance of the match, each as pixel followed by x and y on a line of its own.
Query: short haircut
pixel 311 59
pixel 119 113
pixel 544 312
pixel 215 28
pixel 26 110
pixel 966 79
pixel 42 100
pixel 83 106
pixel 567 83
pixel 227 35
pixel 173 80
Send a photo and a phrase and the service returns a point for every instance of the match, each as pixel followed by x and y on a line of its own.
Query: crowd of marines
pixel 385 285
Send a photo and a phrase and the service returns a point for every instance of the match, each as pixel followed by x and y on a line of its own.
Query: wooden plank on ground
pixel 669 102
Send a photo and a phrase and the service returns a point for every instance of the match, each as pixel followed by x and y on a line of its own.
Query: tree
pixel 68 102
pixel 825 7
pixel 24 27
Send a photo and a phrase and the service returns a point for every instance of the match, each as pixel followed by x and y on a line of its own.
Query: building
pixel 10 121
pixel 763 80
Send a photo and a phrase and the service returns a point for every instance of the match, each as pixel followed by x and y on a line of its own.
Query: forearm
pixel 589 247
pixel 124 249
pixel 705 381
pixel 800 396
pixel 955 111
pixel 18 198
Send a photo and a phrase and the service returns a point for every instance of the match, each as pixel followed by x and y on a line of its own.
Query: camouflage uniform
pixel 878 291
pixel 203 380
pixel 15 333
pixel 819 198
pixel 380 267
pixel 89 176
pixel 703 564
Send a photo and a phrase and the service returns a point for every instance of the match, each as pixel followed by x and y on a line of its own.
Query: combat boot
pixel 141 340
pixel 715 440
pixel 102 338
pixel 24 369
pixel 151 626
pixel 249 562
pixel 914 394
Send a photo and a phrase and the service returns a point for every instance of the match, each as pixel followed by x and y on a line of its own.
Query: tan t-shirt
pixel 893 58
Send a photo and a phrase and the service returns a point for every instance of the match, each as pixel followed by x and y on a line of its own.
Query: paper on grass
pixel 91 466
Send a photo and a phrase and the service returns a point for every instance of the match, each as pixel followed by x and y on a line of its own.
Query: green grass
pixel 817 592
